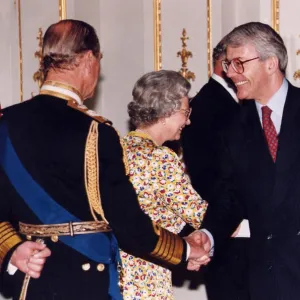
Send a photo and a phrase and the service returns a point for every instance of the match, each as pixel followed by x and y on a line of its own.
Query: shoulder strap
pixel 91 113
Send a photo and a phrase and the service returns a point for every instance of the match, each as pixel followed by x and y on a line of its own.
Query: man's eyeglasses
pixel 186 112
pixel 237 65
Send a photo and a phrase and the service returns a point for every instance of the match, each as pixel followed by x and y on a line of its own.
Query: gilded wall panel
pixel 289 29
pixel 33 15
pixel 195 16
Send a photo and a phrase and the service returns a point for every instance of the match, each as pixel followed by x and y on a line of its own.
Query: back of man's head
pixel 219 52
pixel 64 41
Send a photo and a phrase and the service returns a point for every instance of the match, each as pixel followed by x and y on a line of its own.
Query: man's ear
pixel 85 61
pixel 90 56
pixel 272 64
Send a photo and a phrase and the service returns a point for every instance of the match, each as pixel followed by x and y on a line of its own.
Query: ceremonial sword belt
pixel 71 228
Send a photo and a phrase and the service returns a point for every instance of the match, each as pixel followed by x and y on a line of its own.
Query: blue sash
pixel 99 247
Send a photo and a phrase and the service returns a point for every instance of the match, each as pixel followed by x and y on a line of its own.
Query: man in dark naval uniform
pixel 64 186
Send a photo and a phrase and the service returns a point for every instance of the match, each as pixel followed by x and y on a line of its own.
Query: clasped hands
pixel 200 248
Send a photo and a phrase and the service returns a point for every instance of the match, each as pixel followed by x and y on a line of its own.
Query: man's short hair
pixel 64 41
pixel 219 52
pixel 263 37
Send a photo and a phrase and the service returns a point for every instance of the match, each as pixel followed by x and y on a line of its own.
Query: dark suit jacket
pixel 49 138
pixel 268 193
pixel 213 108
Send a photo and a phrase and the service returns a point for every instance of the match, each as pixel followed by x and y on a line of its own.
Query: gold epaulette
pixel 169 247
pixel 8 239
pixel 91 113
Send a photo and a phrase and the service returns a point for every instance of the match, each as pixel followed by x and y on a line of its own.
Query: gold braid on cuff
pixel 8 239
pixel 169 247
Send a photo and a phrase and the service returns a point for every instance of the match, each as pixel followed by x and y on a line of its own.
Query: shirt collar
pixel 221 80
pixel 277 101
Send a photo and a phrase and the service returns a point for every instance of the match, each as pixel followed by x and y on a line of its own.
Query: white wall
pixel 9 82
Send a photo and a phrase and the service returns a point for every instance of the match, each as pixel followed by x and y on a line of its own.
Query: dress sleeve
pixel 176 190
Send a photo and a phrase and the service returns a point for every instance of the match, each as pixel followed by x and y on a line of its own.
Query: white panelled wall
pixel 125 29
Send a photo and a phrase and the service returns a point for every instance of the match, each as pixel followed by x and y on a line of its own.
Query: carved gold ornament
pixel 297 73
pixel 39 75
pixel 185 54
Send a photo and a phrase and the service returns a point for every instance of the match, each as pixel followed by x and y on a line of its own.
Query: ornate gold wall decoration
pixel 20 50
pixel 275 15
pixel 62 9
pixel 157 34
pixel 297 73
pixel 38 75
pixel 62 15
pixel 208 6
pixel 185 54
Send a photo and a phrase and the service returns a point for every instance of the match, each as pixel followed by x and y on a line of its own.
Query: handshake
pixel 200 247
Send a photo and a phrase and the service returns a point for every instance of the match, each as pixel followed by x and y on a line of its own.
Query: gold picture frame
pixel 62 4
pixel 275 14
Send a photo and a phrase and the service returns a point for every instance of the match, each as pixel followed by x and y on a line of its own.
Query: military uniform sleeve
pixel 134 230
pixel 9 238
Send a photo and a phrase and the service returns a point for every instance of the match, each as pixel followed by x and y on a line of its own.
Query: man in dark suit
pixel 63 183
pixel 212 109
pixel 260 163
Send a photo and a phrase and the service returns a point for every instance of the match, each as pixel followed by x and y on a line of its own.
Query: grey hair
pixel 64 41
pixel 219 51
pixel 263 37
pixel 156 95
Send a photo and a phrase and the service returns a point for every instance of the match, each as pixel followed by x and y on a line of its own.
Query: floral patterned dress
pixel 167 196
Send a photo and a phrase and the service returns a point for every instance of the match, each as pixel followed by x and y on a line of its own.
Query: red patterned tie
pixel 270 131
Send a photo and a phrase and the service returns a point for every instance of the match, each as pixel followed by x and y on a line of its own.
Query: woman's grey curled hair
pixel 156 95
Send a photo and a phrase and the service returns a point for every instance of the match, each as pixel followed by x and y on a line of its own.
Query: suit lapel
pixel 289 137
pixel 288 146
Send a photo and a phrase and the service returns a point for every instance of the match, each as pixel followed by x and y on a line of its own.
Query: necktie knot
pixel 266 112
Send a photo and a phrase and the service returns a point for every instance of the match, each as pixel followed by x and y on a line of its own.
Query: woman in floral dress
pixel 159 111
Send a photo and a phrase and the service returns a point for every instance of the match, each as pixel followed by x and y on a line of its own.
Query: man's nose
pixel 230 72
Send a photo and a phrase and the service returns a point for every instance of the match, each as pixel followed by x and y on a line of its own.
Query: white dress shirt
pixel 221 80
pixel 276 104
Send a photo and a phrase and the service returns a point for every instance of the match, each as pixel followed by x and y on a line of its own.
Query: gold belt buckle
pixel 71 229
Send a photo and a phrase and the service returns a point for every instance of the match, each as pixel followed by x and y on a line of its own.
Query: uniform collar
pixel 61 90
